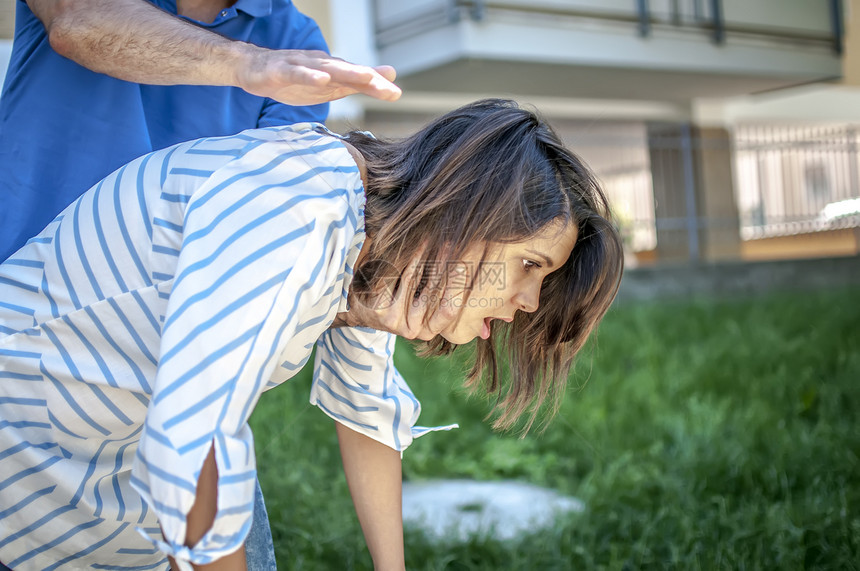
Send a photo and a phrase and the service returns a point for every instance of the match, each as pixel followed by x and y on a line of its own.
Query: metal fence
pixel 756 182
pixel 795 180
pixel 618 154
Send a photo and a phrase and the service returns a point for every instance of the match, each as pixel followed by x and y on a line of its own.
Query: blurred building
pixel 722 129
pixel 7 28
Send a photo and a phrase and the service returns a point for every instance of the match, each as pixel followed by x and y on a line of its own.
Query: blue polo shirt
pixel 64 127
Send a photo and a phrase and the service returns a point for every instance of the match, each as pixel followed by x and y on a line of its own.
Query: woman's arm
pixel 202 515
pixel 373 473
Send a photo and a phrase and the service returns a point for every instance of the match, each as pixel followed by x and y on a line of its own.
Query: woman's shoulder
pixel 302 160
pixel 311 144
pixel 324 148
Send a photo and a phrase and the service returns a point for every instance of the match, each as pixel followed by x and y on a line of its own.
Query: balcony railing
pixel 813 21
pixel 788 181
pixel 796 180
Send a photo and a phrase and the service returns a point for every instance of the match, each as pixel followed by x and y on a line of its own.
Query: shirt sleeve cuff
pixel 356 384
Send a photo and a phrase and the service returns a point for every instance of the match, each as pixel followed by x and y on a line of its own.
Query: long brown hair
pixel 493 172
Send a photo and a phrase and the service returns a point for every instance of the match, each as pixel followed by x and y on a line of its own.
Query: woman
pixel 141 326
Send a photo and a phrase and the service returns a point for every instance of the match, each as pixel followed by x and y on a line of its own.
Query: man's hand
pixel 304 77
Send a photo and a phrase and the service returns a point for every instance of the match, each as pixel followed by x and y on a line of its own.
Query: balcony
pixel 649 50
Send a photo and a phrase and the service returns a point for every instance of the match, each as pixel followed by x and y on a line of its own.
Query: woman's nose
pixel 528 298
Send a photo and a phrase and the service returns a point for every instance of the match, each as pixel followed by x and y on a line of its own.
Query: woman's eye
pixel 530 265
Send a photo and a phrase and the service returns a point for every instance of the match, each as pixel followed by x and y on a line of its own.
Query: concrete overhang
pixel 538 54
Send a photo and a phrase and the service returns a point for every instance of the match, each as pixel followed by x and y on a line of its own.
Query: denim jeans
pixel 259 548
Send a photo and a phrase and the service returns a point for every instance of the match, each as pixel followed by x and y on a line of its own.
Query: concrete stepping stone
pixel 504 510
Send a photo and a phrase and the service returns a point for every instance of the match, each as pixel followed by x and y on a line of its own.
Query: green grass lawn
pixel 706 435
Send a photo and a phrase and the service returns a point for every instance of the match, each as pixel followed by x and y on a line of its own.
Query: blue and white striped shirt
pixel 142 325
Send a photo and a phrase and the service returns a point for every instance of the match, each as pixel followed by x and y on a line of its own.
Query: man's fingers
pixel 376 82
pixel 352 73
pixel 343 71
pixel 308 77
pixel 386 71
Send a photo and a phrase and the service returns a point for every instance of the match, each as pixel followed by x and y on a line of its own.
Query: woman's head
pixel 516 238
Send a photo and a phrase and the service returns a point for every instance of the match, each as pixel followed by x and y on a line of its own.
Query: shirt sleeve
pixel 262 246
pixel 356 384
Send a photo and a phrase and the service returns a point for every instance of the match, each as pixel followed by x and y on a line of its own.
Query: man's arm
pixel 373 473
pixel 135 41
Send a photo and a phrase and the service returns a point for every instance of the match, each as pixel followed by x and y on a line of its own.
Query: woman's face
pixel 507 281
